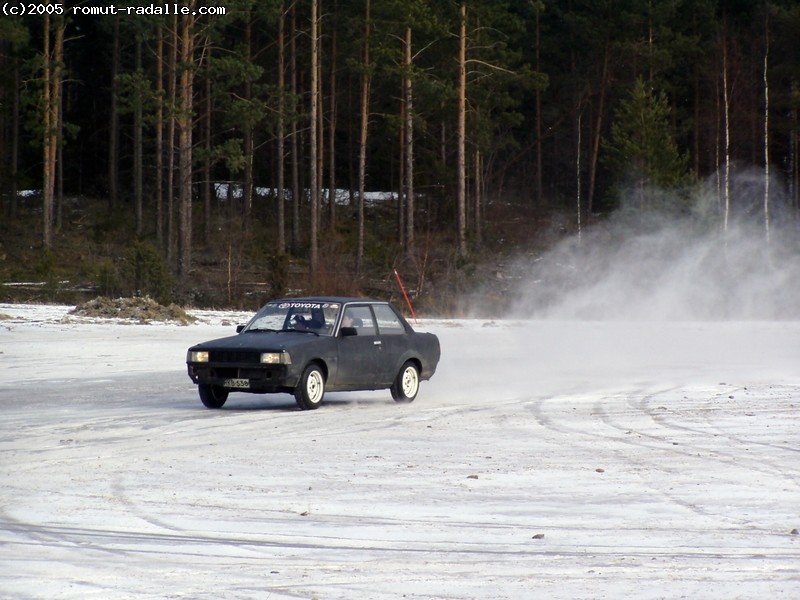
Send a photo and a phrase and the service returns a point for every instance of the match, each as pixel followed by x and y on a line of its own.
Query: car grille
pixel 234 356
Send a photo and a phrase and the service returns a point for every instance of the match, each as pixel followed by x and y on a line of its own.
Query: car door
pixel 358 354
pixel 393 340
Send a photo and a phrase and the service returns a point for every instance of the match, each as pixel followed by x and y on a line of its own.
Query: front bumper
pixel 244 378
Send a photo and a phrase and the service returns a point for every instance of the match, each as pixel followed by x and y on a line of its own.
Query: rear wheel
pixel 212 396
pixel 406 384
pixel 311 389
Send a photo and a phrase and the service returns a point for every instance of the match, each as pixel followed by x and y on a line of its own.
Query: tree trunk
pixel 185 145
pixel 47 192
pixel 296 191
pixel 401 178
pixel 172 73
pixel 59 188
pixel 408 97
pixel 332 133
pixel 727 153
pixel 696 126
pixel 249 134
pixel 766 129
pixel 478 200
pixel 209 192
pixel 578 188
pixel 159 126
pixel 6 99
pixel 15 127
pixel 461 187
pixel 794 149
pixel 538 100
pixel 320 128
pixel 58 72
pixel 363 137
pixel 138 125
pixel 598 131
pixel 313 141
pixel 281 134
pixel 52 74
pixel 113 125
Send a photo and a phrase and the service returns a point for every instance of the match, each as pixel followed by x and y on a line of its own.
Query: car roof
pixel 331 299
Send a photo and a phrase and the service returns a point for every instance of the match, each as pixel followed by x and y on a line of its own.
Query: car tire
pixel 311 388
pixel 406 384
pixel 212 396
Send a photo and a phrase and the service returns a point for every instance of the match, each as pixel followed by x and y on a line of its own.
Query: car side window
pixel 388 322
pixel 362 319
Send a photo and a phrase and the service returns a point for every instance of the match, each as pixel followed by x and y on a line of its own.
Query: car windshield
pixel 307 316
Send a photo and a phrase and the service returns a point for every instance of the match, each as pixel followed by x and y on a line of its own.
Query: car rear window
pixel 388 322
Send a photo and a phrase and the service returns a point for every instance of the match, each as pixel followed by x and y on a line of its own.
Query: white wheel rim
pixel 315 387
pixel 410 382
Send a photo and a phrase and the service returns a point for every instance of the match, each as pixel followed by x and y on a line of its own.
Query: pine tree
pixel 642 153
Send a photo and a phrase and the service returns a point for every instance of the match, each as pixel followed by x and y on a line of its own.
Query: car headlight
pixel 276 358
pixel 197 356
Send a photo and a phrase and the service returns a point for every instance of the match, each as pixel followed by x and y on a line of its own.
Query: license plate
pixel 236 383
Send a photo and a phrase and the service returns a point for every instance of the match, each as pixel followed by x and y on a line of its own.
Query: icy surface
pixel 544 460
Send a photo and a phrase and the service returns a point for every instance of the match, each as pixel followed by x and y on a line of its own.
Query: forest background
pixel 251 149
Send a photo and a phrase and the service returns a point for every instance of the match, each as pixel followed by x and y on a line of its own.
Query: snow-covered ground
pixel 545 459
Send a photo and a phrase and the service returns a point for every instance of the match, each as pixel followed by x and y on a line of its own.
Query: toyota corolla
pixel 308 346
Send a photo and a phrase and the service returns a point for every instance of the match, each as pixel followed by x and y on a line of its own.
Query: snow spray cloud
pixel 639 265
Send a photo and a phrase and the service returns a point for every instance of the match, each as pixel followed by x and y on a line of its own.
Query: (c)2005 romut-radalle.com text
pixel 167 8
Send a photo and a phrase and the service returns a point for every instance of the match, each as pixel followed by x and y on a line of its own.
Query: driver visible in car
pixel 315 322
pixel 349 321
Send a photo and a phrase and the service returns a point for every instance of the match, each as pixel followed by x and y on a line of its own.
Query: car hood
pixel 259 340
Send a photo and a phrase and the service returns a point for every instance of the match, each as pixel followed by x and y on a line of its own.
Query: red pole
pixel 405 294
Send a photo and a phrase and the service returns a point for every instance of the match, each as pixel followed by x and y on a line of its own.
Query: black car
pixel 307 346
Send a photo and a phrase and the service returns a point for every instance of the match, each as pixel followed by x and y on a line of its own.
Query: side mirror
pixel 240 328
pixel 348 331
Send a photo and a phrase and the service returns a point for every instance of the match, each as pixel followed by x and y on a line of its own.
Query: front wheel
pixel 311 388
pixel 212 396
pixel 406 384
